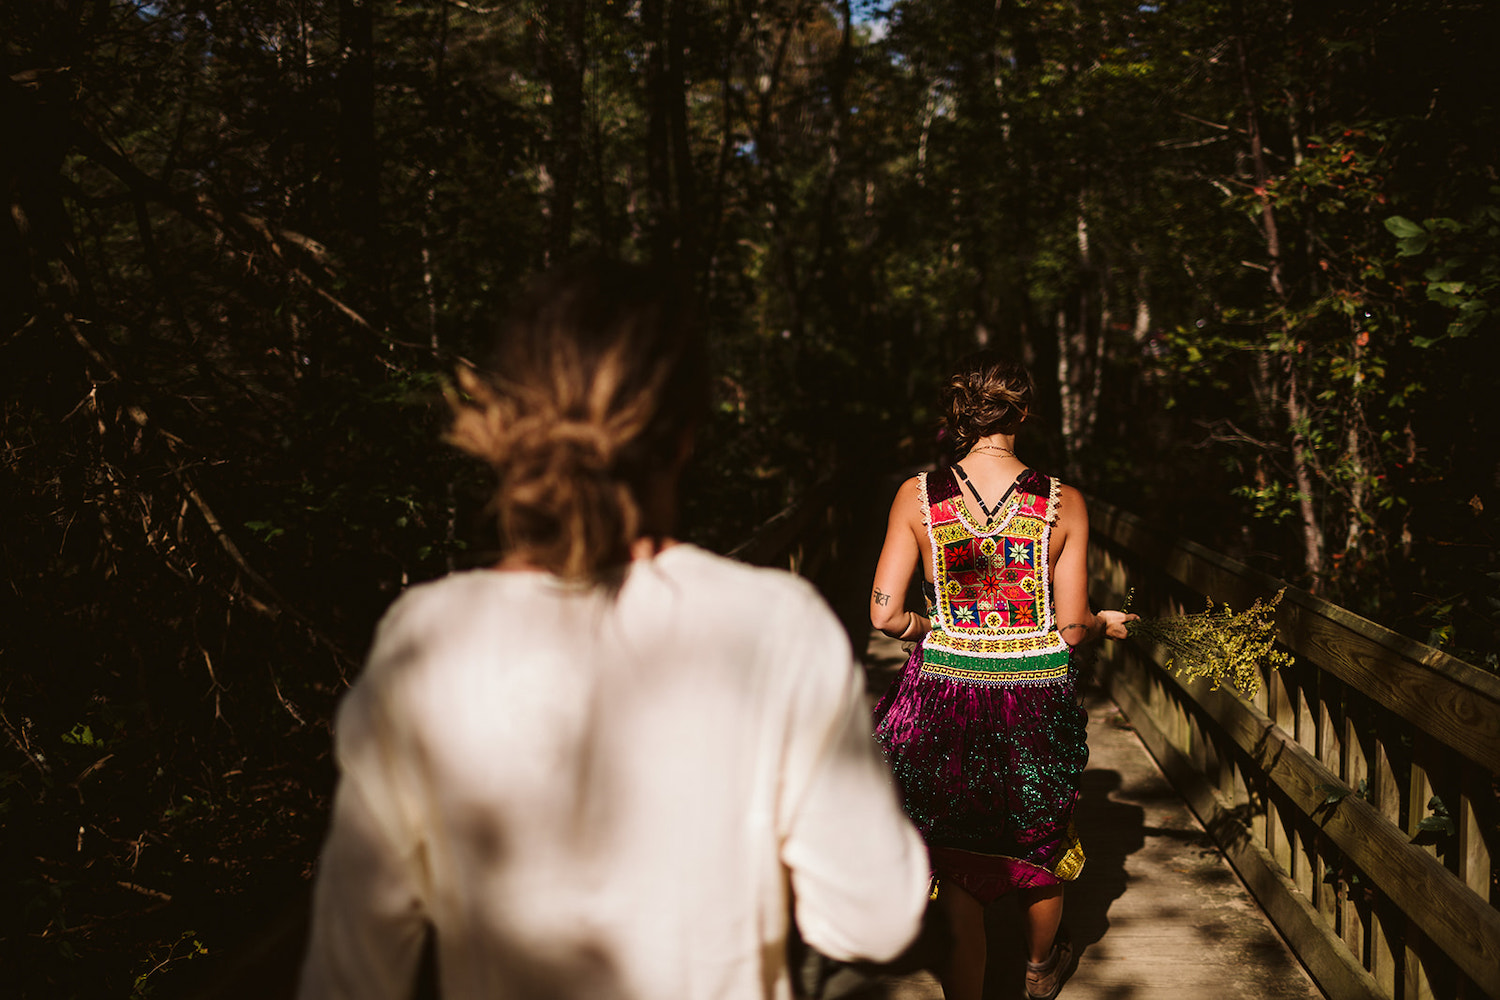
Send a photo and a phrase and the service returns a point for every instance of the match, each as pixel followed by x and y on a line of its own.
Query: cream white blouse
pixel 603 795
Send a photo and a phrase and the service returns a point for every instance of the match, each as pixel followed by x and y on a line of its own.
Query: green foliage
pixel 1437 822
pixel 1464 273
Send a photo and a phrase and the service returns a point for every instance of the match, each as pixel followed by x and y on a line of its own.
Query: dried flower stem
pixel 1218 644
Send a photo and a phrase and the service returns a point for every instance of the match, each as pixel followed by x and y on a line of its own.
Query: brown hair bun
pixel 987 394
pixel 595 380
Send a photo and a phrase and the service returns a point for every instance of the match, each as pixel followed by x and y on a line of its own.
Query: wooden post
pixel 1474 858
pixel 1386 927
pixel 1305 868
pixel 1278 834
pixel 1306 703
pixel 1355 768
pixel 1385 945
pixel 1329 751
pixel 1417 984
pixel 1418 791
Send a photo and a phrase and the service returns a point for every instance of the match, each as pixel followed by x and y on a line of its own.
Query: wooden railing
pixel 1355 794
pixel 799 537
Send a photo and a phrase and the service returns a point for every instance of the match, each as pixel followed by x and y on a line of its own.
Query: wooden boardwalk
pixel 1158 913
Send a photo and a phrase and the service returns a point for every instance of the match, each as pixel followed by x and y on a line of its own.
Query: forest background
pixel 1250 249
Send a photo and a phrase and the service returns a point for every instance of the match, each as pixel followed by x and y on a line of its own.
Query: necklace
pixel 994 448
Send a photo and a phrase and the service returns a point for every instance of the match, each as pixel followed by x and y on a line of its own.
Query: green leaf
pixel 1335 793
pixel 1403 227
pixel 1436 824
pixel 1411 246
pixel 83 736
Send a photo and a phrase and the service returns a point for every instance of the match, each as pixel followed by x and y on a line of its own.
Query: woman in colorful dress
pixel 609 766
pixel 984 729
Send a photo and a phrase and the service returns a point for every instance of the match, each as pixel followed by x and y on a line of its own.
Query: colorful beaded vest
pixel 992 617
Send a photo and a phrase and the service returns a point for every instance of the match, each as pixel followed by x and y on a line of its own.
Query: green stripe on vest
pixel 1027 664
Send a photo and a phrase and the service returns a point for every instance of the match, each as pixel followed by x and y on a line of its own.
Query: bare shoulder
pixel 1070 496
pixel 909 498
pixel 1071 508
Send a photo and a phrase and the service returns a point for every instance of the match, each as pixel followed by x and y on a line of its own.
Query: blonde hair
pixel 596 380
pixel 987 394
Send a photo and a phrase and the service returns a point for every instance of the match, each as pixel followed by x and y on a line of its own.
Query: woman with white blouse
pixel 611 765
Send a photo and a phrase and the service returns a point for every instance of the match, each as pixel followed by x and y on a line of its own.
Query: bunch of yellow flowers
pixel 1218 643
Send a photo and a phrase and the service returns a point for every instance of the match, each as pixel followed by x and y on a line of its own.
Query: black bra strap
pixel 989 512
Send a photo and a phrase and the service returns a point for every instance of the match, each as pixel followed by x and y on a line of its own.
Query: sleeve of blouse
pixel 368 919
pixel 858 867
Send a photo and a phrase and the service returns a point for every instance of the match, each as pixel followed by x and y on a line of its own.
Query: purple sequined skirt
pixel 989 775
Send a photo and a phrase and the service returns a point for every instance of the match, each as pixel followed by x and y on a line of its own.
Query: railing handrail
pixel 775 534
pixel 1453 701
pixel 1307 744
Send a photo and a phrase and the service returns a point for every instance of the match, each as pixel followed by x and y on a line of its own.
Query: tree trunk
pixel 658 131
pixel 359 162
pixel 565 53
pixel 1294 407
pixel 727 145
pixel 684 174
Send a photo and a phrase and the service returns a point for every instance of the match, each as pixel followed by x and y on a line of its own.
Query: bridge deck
pixel 1157 913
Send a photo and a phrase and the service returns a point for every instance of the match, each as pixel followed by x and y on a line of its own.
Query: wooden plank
pixel 1464 715
pixel 1387 926
pixel 1305 871
pixel 771 541
pixel 1418 985
pixel 1474 864
pixel 1278 839
pixel 1230 786
pixel 1354 770
pixel 1328 746
pixel 1454 701
pixel 1385 934
pixel 1330 964
pixel 1307 708
pixel 1459 923
pixel 1418 794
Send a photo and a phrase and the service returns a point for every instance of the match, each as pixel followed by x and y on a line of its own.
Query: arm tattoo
pixel 881 597
pixel 1066 628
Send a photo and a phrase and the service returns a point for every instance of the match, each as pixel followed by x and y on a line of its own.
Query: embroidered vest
pixel 992 616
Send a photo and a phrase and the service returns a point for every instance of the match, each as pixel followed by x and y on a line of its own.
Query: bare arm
pixel 898 561
pixel 1070 578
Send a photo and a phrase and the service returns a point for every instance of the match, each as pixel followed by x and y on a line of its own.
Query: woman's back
pixel 602 793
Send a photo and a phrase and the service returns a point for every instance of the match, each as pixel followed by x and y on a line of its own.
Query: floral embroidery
pixel 992 621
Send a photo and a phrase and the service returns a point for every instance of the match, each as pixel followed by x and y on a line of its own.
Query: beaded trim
pixel 922 502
